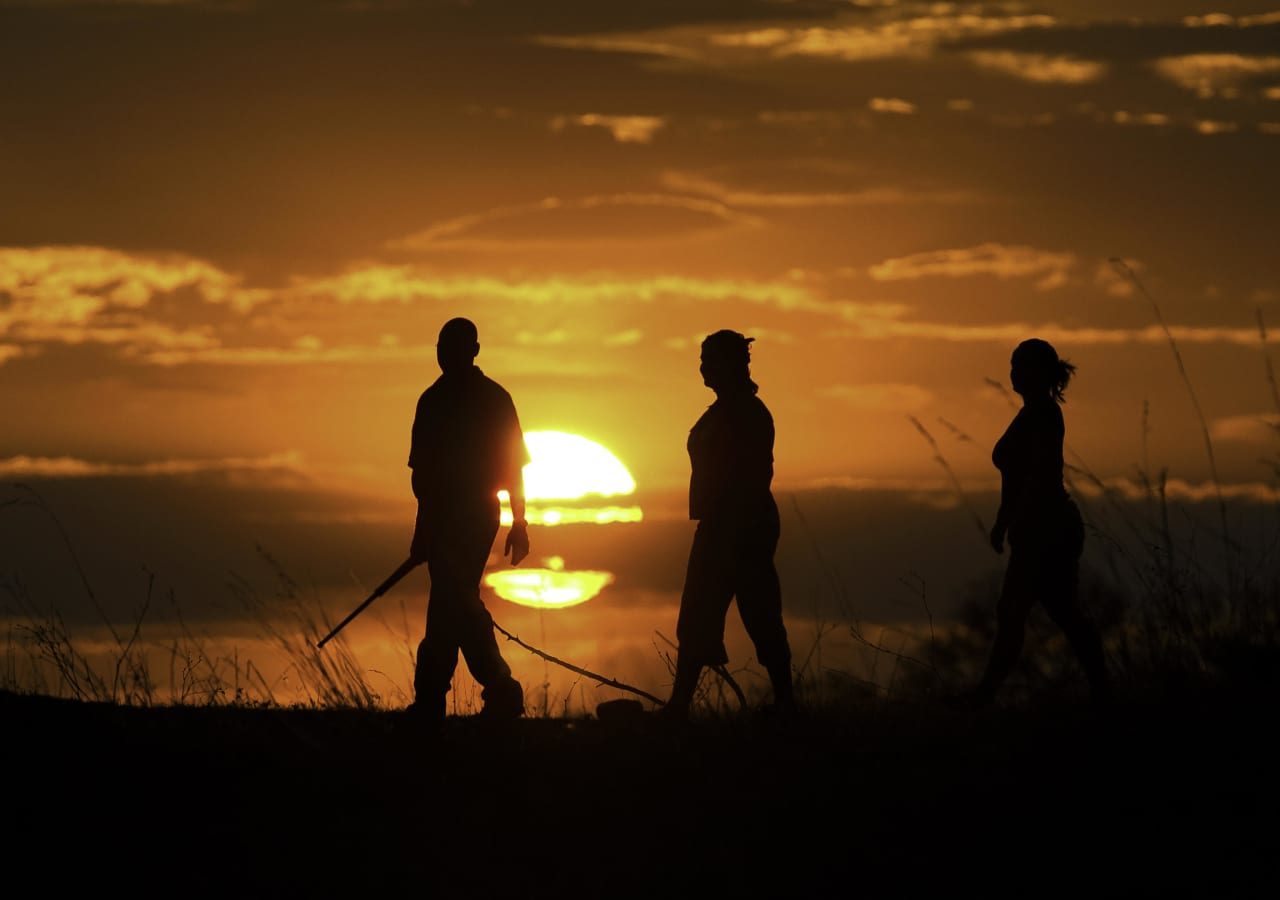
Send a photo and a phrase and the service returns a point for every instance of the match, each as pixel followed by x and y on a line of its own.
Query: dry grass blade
pixel 1125 271
pixel 955 480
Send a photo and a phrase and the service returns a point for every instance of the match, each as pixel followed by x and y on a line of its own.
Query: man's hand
pixel 997 538
pixel 517 545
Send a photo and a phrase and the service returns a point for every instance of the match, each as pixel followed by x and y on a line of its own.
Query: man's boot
pixel 682 691
pixel 784 695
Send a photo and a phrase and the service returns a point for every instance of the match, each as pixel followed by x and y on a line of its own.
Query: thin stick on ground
pixel 608 682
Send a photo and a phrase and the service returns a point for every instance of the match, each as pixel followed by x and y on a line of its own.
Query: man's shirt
pixel 466 443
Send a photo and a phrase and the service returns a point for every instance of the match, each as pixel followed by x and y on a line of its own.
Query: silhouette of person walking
pixel 1042 524
pixel 731 459
pixel 466 446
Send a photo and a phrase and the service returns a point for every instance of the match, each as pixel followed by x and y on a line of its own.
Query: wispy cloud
pixel 1255 429
pixel 1209 74
pixel 628 338
pixel 870 327
pixel 1214 126
pixel 886 31
pixel 1039 67
pixel 81 294
pixel 1179 489
pixel 901 397
pixel 34 467
pixel 469 231
pixel 999 260
pixel 696 183
pixel 1225 20
pixel 894 105
pixel 898 33
pixel 625 129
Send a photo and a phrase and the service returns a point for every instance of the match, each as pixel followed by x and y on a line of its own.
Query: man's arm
pixel 517 544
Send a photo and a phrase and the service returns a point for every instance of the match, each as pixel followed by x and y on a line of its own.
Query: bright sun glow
pixel 548 588
pixel 567 468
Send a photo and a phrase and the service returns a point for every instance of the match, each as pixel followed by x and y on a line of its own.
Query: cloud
pixel 1002 261
pixel 888 324
pixel 625 129
pixel 891 105
pixel 71 284
pixel 94 295
pixel 900 397
pixel 1218 20
pixel 591 219
pixel 1208 74
pixel 10 351
pixel 1124 117
pixel 881 31
pixel 411 284
pixel 697 183
pixel 628 338
pixel 1040 68
pixel 1213 126
pixel 1106 277
pixel 552 338
pixel 1178 489
pixel 1255 429
pixel 899 33
pixel 37 467
pixel 639 44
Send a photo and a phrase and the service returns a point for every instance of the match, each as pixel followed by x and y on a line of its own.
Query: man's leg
pixel 437 656
pixel 760 605
pixel 502 694
pixel 704 602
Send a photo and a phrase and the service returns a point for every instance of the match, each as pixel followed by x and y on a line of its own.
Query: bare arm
pixel 517 544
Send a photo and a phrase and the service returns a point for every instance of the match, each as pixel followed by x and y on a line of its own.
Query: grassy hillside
pixel 1171 795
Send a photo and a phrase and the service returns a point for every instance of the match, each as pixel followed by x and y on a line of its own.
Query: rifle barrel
pixel 405 568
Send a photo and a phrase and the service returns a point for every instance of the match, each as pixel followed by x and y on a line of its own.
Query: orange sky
pixel 230 231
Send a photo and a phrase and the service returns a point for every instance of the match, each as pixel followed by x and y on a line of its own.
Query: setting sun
pixel 569 467
pixel 550 587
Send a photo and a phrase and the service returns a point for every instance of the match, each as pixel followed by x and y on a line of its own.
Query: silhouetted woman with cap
pixel 731 461
pixel 1040 521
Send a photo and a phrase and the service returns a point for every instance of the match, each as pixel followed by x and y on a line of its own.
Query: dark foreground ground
pixel 1165 798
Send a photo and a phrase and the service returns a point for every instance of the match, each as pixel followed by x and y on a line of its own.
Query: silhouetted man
pixel 731 470
pixel 466 446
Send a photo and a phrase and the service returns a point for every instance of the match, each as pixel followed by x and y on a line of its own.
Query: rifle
pixel 405 568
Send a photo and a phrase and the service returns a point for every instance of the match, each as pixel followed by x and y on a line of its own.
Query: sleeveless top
pixel 1033 498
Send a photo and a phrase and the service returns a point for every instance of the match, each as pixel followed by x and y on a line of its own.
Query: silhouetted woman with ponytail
pixel 1040 521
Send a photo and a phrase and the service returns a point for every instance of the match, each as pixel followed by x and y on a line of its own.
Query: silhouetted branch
pixel 609 682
